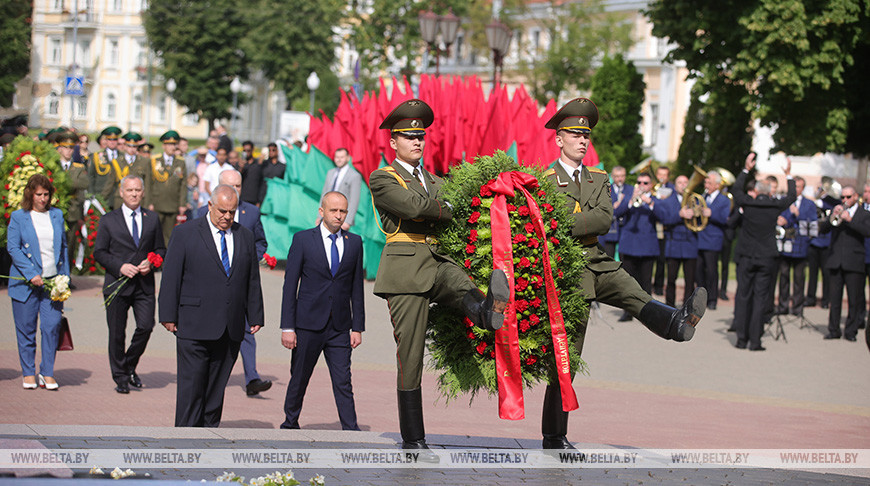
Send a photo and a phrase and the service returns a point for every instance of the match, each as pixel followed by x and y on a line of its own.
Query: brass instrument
pixel 646 165
pixel 728 180
pixel 837 220
pixel 636 200
pixel 696 202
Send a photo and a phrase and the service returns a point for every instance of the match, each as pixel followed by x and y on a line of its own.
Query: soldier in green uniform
pixel 100 165
pixel 128 163
pixel 588 195
pixel 413 273
pixel 78 177
pixel 166 187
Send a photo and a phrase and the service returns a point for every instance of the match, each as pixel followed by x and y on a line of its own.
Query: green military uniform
pixel 78 177
pixel 100 165
pixel 122 167
pixel 166 187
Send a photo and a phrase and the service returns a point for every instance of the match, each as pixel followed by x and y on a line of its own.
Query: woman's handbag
pixel 65 342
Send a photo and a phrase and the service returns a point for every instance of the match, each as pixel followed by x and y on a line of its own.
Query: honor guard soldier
pixel 100 166
pixel 588 198
pixel 166 189
pixel 78 177
pixel 413 272
pixel 129 163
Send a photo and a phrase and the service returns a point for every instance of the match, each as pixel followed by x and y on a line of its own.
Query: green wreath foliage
pixel 463 354
pixel 17 167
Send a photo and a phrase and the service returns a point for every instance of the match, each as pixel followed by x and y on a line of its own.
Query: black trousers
pixel 816 260
pixel 707 274
pixel 204 368
pixel 754 284
pixel 641 269
pixel 689 274
pixel 792 299
pixel 610 249
pixel 661 263
pixel 725 260
pixel 123 362
pixel 855 293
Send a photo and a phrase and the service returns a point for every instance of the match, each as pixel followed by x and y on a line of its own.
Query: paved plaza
pixel 642 392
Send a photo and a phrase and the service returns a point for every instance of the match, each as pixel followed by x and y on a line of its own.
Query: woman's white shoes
pixel 47 385
pixel 30 386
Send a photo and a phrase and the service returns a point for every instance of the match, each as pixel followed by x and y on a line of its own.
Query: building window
pixel 111 106
pixel 142 55
pixel 137 107
pixel 536 42
pixel 83 56
pixel 55 51
pixel 81 107
pixel 143 5
pixel 57 5
pixel 53 104
pixel 114 53
pixel 654 122
pixel 190 120
pixel 161 109
pixel 117 5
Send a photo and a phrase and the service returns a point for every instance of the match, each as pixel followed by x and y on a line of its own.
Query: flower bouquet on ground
pixel 498 203
pixel 57 287
pixel 84 262
pixel 156 262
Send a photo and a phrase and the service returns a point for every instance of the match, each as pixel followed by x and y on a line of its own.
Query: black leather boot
pixel 554 421
pixel 487 311
pixel 676 324
pixel 411 424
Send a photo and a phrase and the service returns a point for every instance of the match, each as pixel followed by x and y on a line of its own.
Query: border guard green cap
pixel 170 137
pixel 111 133
pixel 579 115
pixel 410 118
pixel 132 138
pixel 66 139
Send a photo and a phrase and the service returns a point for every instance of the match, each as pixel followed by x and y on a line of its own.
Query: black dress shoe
pixel 135 381
pixel 851 338
pixel 723 296
pixel 825 305
pixel 256 386
pixel 831 336
pixel 758 348
pixel 740 345
pixel 123 388
pixel 711 305
pixel 659 291
pixel 810 302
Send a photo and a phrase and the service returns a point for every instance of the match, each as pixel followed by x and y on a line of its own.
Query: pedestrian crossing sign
pixel 75 86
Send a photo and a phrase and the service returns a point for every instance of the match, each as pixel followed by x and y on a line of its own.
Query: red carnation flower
pixel 470 335
pixel 92 269
pixel 474 217
pixel 90 212
pixel 492 354
pixel 537 281
pixel 531 360
pixel 542 193
pixel 525 263
pixel 543 348
pixel 554 240
pixel 561 274
pixel 548 207
pixel 536 302
pixel 472 237
pixel 534 319
pixel 468 322
pixel 530 228
pixel 521 305
pixel 271 261
pixel 481 347
pixel 49 172
pixel 511 207
pixel 16 167
pixel 521 284
pixel 523 210
pixel 469 248
pixel 533 243
pixel 524 325
pixel 467 263
pixel 519 238
pixel 553 224
pixel 6 186
pixel 558 258
pixel 485 190
pixel 475 201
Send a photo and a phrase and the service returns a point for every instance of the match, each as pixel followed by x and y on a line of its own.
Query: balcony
pixel 86 19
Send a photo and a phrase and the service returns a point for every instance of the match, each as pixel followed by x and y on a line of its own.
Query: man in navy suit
pixel 620 194
pixel 210 285
pixel 325 265
pixel 248 215
pixel 712 237
pixel 125 238
pixel 681 243
pixel 794 248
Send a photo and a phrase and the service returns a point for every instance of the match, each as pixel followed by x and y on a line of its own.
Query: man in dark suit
pixel 756 253
pixel 125 238
pixel 345 179
pixel 681 243
pixel 327 313
pixel 248 216
pixel 849 224
pixel 210 285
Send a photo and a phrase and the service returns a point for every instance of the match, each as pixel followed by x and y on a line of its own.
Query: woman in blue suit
pixel 37 244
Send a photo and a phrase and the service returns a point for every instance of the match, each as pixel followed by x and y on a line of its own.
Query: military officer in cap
pixel 588 198
pixel 129 163
pixel 166 189
pixel 100 165
pixel 413 272
pixel 79 182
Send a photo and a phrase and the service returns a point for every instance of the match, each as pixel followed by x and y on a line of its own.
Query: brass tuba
pixel 695 201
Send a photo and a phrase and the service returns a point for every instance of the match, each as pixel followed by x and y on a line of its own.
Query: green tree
pixel 288 39
pixel 617 88
pixel 198 42
pixel 15 39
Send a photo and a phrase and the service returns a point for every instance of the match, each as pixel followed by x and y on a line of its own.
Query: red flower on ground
pixel 472 237
pixel 467 263
pixel 474 217
pixel 523 210
pixel 481 347
pixel 475 201
pixel 525 263
pixel 469 248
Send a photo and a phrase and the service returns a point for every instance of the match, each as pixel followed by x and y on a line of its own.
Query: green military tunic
pixel 166 190
pixel 141 167
pixel 99 171
pixel 79 183
pixel 412 272
pixel 590 203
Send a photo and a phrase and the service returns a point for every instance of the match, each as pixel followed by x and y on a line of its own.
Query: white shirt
pixel 65 164
pixel 852 210
pixel 570 170
pixel 215 234
pixel 327 244
pixel 213 173
pixel 712 196
pixel 410 168
pixel 130 159
pixel 45 236
pixel 127 212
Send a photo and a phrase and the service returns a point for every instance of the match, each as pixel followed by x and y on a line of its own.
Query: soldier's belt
pixel 589 240
pixel 412 238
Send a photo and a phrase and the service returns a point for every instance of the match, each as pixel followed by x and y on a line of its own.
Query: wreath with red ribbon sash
pixel 510 217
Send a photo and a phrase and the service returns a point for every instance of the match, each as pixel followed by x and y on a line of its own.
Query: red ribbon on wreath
pixel 507 349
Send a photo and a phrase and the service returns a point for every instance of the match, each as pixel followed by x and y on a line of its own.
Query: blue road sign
pixel 75 86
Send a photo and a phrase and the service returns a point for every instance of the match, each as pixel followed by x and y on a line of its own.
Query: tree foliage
pixel 618 88
pixel 15 39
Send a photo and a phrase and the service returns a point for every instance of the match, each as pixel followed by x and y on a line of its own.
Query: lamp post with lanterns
pixel 430 25
pixel 170 88
pixel 498 36
pixel 313 83
pixel 235 87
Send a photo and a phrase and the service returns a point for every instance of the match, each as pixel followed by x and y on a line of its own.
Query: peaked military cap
pixel 411 118
pixel 146 148
pixel 65 139
pixel 132 138
pixel 51 136
pixel 111 133
pixel 170 136
pixel 579 115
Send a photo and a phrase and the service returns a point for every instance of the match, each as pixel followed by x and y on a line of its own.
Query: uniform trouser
pixel 754 279
pixel 123 363
pixel 855 293
pixel 25 314
pixel 409 314
pixel 689 265
pixel 795 297
pixel 204 368
pixel 816 260
pixel 661 263
pixel 641 269
pixel 707 274
pixel 167 222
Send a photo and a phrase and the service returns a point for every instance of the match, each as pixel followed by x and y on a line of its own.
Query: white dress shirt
pixel 410 168
pixel 327 244
pixel 570 170
pixel 127 212
pixel 215 234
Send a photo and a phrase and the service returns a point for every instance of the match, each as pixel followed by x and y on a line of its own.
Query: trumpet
pixel 837 219
pixel 636 200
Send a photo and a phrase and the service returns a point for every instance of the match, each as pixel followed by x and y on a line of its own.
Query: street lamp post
pixel 235 87
pixel 498 36
pixel 170 88
pixel 313 83
pixel 430 25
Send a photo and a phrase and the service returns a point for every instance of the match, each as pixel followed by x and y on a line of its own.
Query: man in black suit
pixel 849 224
pixel 327 312
pixel 210 285
pixel 756 253
pixel 125 238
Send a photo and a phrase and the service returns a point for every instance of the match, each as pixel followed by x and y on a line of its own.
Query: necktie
pixel 135 230
pixel 333 266
pixel 577 177
pixel 225 255
pixel 417 176
pixel 335 182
